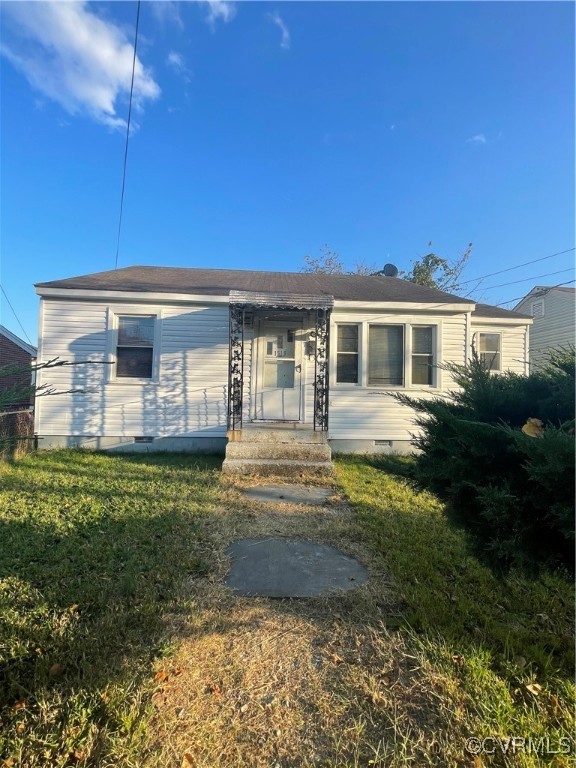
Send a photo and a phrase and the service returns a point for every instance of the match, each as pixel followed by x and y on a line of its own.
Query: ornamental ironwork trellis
pixel 321 369
pixel 235 367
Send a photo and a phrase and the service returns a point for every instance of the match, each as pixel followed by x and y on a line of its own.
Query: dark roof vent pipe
pixel 390 270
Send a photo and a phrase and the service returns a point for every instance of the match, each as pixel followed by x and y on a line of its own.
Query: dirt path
pixel 277 683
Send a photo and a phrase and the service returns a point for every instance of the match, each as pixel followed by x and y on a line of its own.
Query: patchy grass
pixel 93 550
pixel 498 653
pixel 120 645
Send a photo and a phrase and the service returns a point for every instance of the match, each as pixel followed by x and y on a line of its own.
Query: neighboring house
pixel 554 320
pixel 17 353
pixel 194 355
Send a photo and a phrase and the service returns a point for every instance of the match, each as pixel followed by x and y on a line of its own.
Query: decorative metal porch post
pixel 321 372
pixel 235 367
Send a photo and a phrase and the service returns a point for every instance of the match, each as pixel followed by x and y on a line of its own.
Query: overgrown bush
pixel 514 492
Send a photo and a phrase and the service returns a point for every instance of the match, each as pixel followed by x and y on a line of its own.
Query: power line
pixel 127 136
pixel 527 279
pixel 525 264
pixel 548 288
pixel 15 315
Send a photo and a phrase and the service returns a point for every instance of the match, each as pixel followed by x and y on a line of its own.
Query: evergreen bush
pixel 514 492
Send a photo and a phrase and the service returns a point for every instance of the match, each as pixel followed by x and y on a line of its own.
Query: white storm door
pixel 279 372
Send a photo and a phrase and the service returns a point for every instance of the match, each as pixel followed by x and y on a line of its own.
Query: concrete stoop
pixel 283 451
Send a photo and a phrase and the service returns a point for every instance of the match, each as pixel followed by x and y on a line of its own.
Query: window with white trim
pixel 489 351
pixel 423 355
pixel 135 347
pixel 387 355
pixel 347 354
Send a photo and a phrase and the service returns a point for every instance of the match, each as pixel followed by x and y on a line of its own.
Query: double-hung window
pixel 347 355
pixel 135 347
pixel 423 355
pixel 489 351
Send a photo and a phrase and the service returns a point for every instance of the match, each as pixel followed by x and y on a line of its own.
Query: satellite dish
pixel 390 270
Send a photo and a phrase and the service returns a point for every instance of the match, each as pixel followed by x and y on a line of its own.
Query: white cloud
pixel 75 58
pixel 222 10
pixel 167 12
pixel 275 18
pixel 177 64
pixel 480 138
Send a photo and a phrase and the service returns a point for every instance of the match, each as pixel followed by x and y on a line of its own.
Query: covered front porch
pixel 278 383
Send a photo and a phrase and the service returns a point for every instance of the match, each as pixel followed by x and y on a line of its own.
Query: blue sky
pixel 263 131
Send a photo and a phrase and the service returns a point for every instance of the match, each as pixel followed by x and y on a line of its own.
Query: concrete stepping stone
pixel 279 567
pixel 288 494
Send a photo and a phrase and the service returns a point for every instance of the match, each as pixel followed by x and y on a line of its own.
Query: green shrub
pixel 513 492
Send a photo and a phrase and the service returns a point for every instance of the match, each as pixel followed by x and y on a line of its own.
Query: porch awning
pixel 279 300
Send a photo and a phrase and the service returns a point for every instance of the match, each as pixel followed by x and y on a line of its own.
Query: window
pixel 423 355
pixel 347 355
pixel 386 356
pixel 135 347
pixel 489 350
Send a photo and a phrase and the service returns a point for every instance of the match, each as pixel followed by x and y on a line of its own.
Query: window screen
pixel 385 355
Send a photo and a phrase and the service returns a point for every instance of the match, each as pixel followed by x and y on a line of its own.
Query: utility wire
pixel 509 269
pixel 548 288
pixel 15 315
pixel 527 279
pixel 127 136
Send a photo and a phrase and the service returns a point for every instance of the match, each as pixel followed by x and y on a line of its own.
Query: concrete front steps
pixel 282 450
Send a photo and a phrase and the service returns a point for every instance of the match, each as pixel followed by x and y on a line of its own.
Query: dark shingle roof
pixel 219 282
pixel 486 310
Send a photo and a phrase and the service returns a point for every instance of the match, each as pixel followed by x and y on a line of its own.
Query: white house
pixel 553 311
pixel 188 357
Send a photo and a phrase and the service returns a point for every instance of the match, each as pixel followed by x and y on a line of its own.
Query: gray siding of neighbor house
pixel 555 328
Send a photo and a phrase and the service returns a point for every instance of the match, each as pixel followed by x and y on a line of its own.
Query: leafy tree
pixel 328 263
pixel 434 271
pixel 431 270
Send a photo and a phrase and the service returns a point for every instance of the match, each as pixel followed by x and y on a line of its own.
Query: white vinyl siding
pixel 188 399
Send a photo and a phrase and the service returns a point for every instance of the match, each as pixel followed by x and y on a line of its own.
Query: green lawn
pixel 498 652
pixel 94 552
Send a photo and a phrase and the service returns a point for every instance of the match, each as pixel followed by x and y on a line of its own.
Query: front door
pixel 279 372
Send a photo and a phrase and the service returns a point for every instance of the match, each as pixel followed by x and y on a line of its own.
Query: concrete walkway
pixel 287 567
